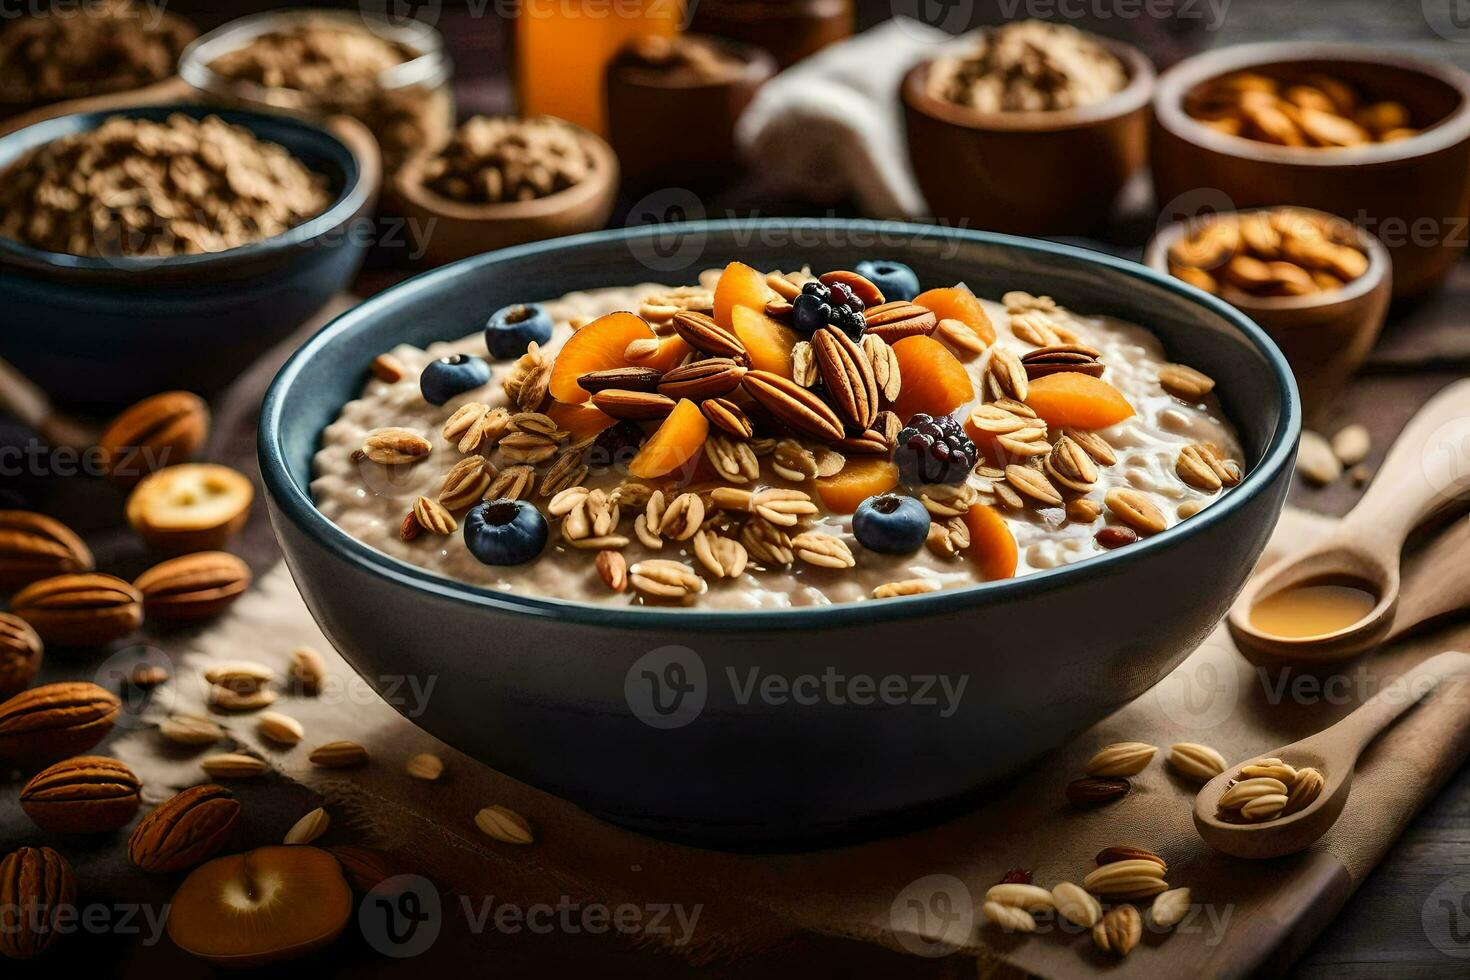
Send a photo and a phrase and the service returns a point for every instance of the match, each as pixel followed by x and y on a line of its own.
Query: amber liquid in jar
pixel 564 46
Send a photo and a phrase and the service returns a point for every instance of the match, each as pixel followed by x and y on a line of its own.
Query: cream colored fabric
pixel 872 891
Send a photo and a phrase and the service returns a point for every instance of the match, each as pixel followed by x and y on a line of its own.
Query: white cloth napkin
pixel 831 126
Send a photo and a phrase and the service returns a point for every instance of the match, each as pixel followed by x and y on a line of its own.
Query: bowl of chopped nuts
pixel 1033 128
pixel 166 246
pixel 1379 138
pixel 503 181
pixel 672 578
pixel 1318 284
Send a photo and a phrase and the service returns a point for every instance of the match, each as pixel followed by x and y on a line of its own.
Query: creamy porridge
pixel 1085 439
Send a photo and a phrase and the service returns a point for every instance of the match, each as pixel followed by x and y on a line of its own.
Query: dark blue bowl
pixel 642 715
pixel 99 332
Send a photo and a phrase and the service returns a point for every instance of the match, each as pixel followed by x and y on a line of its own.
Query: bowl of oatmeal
pixel 165 246
pixel 790 540
pixel 1031 128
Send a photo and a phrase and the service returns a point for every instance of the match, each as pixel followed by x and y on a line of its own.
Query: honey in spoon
pixel 1312 609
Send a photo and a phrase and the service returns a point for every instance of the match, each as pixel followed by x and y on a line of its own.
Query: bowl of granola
pixel 754 558
pixel 1031 128
pixel 505 180
pixel 166 246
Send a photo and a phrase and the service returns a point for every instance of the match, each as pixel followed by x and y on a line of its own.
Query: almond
pixel 1197 762
pixel 1074 904
pixel 86 794
pixel 637 406
pixel 338 755
pixel 386 367
pixel 396 447
pixel 184 830
pixel 195 586
pixel 308 828
pixel 793 405
pixel 426 765
pixel 20 654
pixel 39 882
pixel 233 765
pixel 1121 759
pixel 504 824
pixel 1091 790
pixel 1132 878
pixel 163 430
pixel 279 728
pixel 699 380
pixel 33 547
pixel 308 671
pixel 1170 908
pixel 1119 931
pixel 190 730
pixel 1110 855
pixel 55 721
pixel 700 331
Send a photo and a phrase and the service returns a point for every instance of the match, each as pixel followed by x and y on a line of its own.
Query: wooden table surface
pixel 1380 933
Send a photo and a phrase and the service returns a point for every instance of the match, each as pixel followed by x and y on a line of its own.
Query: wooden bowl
pixel 1324 336
pixel 645 105
pixel 447 230
pixel 1414 195
pixel 1029 173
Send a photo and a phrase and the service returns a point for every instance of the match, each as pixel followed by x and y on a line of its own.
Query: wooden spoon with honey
pixel 1334 753
pixel 1339 596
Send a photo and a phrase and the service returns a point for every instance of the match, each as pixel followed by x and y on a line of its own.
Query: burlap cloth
pixel 918 893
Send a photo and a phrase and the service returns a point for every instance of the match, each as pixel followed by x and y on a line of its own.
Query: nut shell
pixel 55 721
pixel 159 431
pixel 36 885
pixel 190 507
pixel 87 794
pixel 195 586
pixel 33 547
pixel 184 830
pixel 90 609
pixel 20 654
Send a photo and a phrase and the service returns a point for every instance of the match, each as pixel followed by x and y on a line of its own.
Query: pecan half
pixel 1063 358
pixel 80 610
pixel 709 378
pixel 700 331
pixel 847 375
pixel 158 431
pixel 626 378
pixel 793 405
pixel 184 830
pixel 33 547
pixel 637 406
pixel 193 586
pixel 37 887
pixel 725 414
pixel 895 321
pixel 87 794
pixel 55 721
pixel 20 654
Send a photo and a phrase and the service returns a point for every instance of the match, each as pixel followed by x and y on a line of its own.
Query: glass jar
pixel 408 106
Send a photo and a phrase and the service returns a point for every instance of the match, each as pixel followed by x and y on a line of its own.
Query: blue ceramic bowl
pixel 99 332
pixel 647 716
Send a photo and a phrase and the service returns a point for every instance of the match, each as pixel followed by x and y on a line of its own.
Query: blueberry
pixel 505 532
pixel 894 279
pixel 809 313
pixel 450 376
pixel 891 524
pixel 510 331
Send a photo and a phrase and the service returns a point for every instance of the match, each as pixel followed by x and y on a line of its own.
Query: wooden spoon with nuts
pixel 1334 753
pixel 1427 472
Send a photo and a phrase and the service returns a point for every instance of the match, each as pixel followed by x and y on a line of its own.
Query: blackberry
pixel 821 305
pixel 934 450
pixel 614 446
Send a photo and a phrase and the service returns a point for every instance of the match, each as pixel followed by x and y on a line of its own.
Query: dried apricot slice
pixel 580 420
pixel 739 285
pixel 958 303
pixel 992 545
pixel 1078 400
pixel 678 440
pixel 671 353
pixel 599 346
pixel 767 342
pixel 860 479
pixel 934 380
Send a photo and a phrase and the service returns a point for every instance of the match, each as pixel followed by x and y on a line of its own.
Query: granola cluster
pixel 707 438
pixel 94 50
pixel 492 160
pixel 1029 66
pixel 135 187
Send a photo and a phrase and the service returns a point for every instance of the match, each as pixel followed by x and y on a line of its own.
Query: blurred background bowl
pixel 100 331
pixel 1414 194
pixel 1029 173
pixel 1325 336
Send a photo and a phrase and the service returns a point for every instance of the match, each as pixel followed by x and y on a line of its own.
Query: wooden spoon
pixel 1334 753
pixel 1426 471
